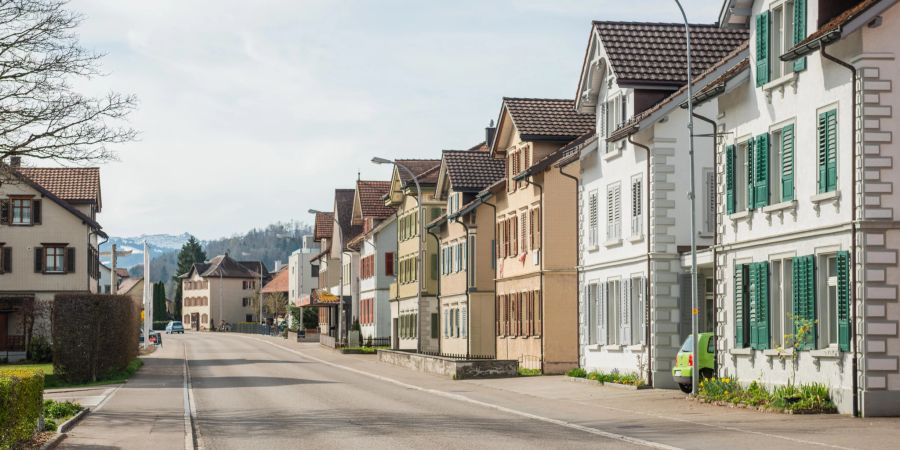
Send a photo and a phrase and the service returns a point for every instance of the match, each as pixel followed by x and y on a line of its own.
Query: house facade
pixel 48 246
pixel 347 286
pixel 536 291
pixel 466 254
pixel 376 246
pixel 304 275
pixel 634 222
pixel 413 296
pixel 807 261
pixel 220 292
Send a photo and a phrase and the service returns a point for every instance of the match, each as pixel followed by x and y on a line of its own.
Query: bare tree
pixel 41 116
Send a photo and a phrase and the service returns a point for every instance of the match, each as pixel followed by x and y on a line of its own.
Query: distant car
pixel 174 327
pixel 684 361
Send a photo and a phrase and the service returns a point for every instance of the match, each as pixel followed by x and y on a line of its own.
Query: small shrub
pixel 160 325
pixel 756 395
pixel 719 389
pixel 631 379
pixel 60 410
pixel 50 424
pixel 523 372
pixel 21 401
pixel 577 372
pixel 40 350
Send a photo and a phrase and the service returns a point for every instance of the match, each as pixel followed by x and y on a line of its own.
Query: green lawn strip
pixel 523 372
pixel 51 381
pixel 803 399
pixel 361 350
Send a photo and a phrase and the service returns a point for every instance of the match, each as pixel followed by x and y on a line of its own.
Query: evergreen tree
pixel 191 253
pixel 159 302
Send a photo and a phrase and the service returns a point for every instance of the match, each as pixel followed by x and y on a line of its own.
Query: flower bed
pixel 625 379
pixel 56 413
pixel 803 399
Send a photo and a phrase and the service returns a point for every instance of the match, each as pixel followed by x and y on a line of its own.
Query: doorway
pixel 195 321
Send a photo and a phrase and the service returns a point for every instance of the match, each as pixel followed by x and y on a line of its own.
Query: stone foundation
pixel 456 369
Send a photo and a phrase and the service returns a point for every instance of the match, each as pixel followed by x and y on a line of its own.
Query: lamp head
pixel 378 160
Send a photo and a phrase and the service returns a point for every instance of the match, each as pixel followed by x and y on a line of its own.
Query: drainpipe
pixel 541 219
pixel 715 135
pixel 577 257
pixel 853 227
pixel 437 293
pixel 648 335
pixel 494 265
pixel 468 308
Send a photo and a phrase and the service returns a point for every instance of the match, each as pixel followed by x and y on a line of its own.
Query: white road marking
pixel 110 394
pixel 462 398
pixel 190 408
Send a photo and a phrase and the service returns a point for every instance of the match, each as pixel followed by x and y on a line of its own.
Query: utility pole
pixel 113 276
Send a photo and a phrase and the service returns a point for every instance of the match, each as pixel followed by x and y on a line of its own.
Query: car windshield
pixel 176 324
pixel 688 345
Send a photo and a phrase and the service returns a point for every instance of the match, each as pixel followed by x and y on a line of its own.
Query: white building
pixel 634 219
pixel 304 275
pixel 809 236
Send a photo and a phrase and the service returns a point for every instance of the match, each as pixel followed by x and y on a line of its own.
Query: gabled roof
pixel 324 226
pixel 555 156
pixel 224 266
pixel 343 205
pixel 128 285
pixel 838 27
pixel 472 171
pixel 370 195
pixel 425 171
pixel 546 118
pixel 72 184
pixel 279 283
pixel 654 53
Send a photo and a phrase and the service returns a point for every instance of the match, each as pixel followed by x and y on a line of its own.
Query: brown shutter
pixel 539 313
pixel 515 234
pixel 389 264
pixel 4 212
pixel 537 227
pixel 38 259
pixel 36 212
pixel 70 260
pixel 6 257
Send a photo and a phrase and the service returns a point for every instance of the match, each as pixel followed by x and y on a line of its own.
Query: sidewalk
pixel 87 397
pixel 662 416
pixel 147 412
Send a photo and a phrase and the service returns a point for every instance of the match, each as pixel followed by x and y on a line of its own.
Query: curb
pixel 54 441
pixel 626 387
pixel 67 425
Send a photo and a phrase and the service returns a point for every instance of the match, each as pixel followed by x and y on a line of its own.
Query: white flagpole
pixel 148 296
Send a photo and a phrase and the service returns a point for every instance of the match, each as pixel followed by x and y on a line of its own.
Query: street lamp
pixel 340 330
pixel 695 369
pixel 421 252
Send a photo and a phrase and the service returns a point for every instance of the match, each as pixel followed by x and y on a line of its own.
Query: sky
pixel 253 112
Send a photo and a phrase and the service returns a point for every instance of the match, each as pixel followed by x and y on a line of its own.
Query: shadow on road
pixel 238 382
pixel 237 361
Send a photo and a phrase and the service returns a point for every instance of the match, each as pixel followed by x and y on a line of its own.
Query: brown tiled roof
pixel 279 283
pixel 543 117
pixel 343 205
pixel 224 266
pixel 122 273
pixel 72 184
pixel 425 170
pixel 128 285
pixel 324 226
pixel 556 156
pixel 629 127
pixel 832 26
pixel 371 201
pixel 472 171
pixel 654 53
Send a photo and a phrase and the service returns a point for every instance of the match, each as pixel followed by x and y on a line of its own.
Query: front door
pixel 4 330
pixel 195 321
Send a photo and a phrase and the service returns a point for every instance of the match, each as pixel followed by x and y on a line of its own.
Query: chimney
pixel 15 161
pixel 489 133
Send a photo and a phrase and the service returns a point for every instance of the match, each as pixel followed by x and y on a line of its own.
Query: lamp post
pixel 695 369
pixel 421 252
pixel 340 330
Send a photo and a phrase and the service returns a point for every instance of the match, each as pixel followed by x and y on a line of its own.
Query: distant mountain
pixel 160 244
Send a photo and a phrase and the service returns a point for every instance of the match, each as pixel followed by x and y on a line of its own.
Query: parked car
pixel 684 361
pixel 174 327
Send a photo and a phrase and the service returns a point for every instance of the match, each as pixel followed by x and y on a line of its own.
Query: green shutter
pixel 804 304
pixel 761 184
pixel 827 142
pixel 799 31
pixel 729 179
pixel 751 170
pixel 740 307
pixel 787 163
pixel 762 48
pixel 843 306
pixel 751 284
pixel 762 304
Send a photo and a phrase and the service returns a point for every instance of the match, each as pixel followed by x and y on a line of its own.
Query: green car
pixel 684 361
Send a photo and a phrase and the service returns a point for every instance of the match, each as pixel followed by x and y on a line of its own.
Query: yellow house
pixel 536 299
pixel 414 306
pixel 466 254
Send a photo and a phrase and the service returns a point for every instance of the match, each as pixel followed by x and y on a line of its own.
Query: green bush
pixel 631 379
pixel 809 398
pixel 577 372
pixel 60 410
pixel 40 350
pixel 21 401
pixel 523 372
pixel 160 325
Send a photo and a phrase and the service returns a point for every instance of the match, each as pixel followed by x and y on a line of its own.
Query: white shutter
pixel 643 310
pixel 618 211
pixel 446 322
pixel 601 315
pixel 609 213
pixel 591 302
pixel 637 205
pixel 465 322
pixel 593 218
pixel 710 201
pixel 626 312
pixel 623 113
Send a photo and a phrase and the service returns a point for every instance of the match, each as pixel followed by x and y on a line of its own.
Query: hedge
pixel 21 403
pixel 160 325
pixel 93 335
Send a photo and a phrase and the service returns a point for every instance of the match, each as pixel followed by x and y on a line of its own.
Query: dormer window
pixel 777 31
pixel 613 114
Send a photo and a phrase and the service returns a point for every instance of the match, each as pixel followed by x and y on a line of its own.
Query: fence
pixel 376 342
pixel 251 328
pixel 456 355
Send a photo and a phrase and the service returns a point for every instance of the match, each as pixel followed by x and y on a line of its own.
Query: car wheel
pixel 686 388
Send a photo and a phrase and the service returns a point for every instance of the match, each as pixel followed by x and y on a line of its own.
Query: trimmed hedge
pixel 160 325
pixel 21 403
pixel 93 335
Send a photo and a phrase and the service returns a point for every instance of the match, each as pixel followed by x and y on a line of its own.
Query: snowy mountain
pixel 159 244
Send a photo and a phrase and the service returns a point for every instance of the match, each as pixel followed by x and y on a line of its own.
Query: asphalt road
pixel 252 392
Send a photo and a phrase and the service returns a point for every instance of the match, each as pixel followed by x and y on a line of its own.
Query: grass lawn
pixel 52 382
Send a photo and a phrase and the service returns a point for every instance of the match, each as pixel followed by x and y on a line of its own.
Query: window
pixel 314 270
pixel 778 30
pixel 55 259
pixel 389 264
pixel 614 212
pixel 593 219
pixel 247 318
pixel 827 151
pixel 21 211
pixel 737 172
pixel 5 259
pixel 614 113
pixel 613 311
pixel 782 295
pixel 246 302
pixel 637 206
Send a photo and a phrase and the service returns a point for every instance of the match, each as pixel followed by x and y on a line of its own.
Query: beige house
pixel 467 260
pixel 220 290
pixel 537 321
pixel 320 298
pixel 414 306
pixel 48 246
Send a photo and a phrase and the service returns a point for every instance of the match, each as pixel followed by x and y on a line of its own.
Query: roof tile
pixel 548 117
pixel 472 171
pixel 371 194
pixel 72 184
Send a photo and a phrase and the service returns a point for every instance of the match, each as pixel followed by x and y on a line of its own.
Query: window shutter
pixel 787 162
pixel 843 306
pixel 762 170
pixel 610 214
pixel 763 307
pixel 36 212
pixel 804 304
pixel 827 151
pixel 537 227
pixel 603 123
pixel 6 258
pixel 762 48
pixel 601 315
pixel 642 307
pixel 514 232
pixel 593 218
pixel 626 312
pixel 465 322
pixel 751 174
pixel 729 179
pixel 591 308
pixel 435 321
pixel 538 314
pixel 38 259
pixel 711 212
pixel 740 307
pixel 5 212
pixel 799 31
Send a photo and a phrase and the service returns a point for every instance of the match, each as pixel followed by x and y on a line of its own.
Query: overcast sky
pixel 253 112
